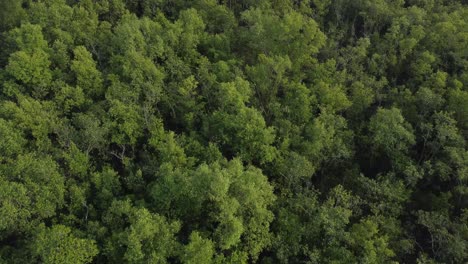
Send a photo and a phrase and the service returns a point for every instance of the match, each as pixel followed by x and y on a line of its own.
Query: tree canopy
pixel 233 131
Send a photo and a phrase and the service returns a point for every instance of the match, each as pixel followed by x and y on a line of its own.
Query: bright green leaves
pixel 361 97
pixel 458 103
pixel 391 138
pixel 390 133
pixel 254 194
pixel 218 18
pixel 136 128
pixel 427 100
pixel 58 245
pixel 128 36
pixel 327 139
pixel 335 213
pixel 33 190
pixel 91 133
pixel 241 130
pixel 71 24
pixel 386 198
pixel 446 143
pixel 28 38
pixel 87 76
pixel 126 123
pixel 291 34
pixel 34 118
pixel 30 65
pixel 294 169
pixel 242 134
pixel 233 95
pixel 140 73
pixel 107 186
pixel 371 246
pixel 54 16
pixel 324 233
pixel 297 103
pixel 149 238
pixel 228 202
pixel 198 251
pixel 332 97
pixel 45 184
pixel 406 34
pixel 447 134
pixel 14 207
pixel 268 77
pixel 295 226
pixel 139 236
pixel 229 232
pixel 77 161
pixel 125 115
pixel 168 148
pixel 421 67
pixel 192 26
pixel 31 70
pixel 69 98
pixel 12 142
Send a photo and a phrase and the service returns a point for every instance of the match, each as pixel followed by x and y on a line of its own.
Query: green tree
pixel 58 244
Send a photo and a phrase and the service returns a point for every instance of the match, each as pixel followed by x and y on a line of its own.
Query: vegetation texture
pixel 233 131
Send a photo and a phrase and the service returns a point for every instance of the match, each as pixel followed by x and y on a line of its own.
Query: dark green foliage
pixel 233 131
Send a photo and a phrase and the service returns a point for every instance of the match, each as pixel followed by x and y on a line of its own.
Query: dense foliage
pixel 233 131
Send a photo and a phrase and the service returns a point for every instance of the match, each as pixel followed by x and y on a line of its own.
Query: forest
pixel 233 131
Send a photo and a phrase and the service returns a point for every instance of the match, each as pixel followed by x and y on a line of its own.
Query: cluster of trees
pixel 233 131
